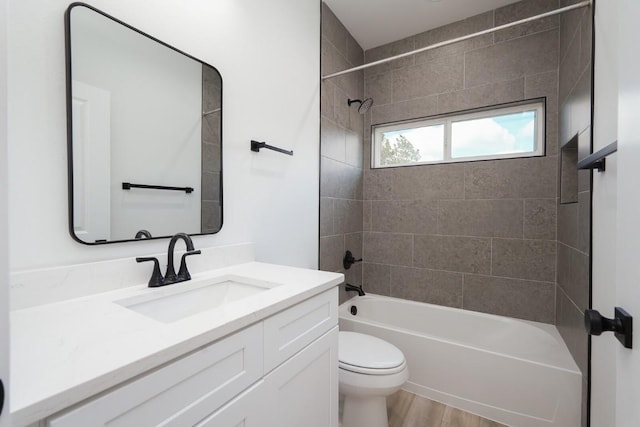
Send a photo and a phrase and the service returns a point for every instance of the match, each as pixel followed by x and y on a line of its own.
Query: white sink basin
pixel 181 300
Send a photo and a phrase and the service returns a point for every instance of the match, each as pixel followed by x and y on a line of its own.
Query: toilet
pixel 370 369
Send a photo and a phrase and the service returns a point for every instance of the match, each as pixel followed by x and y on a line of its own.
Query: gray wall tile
pixel 433 77
pixel 340 180
pixel 540 219
pixel 327 89
pixel 509 297
pixel 521 10
pixel 543 85
pixel 211 216
pixel 405 110
pixel 326 216
pixel 377 278
pixel 484 218
pixel 481 96
pixel 457 29
pixel 353 243
pixel 407 216
pixel 459 254
pixel 429 182
pixel 584 222
pixel 532 54
pixel 341 138
pixel 341 109
pixel 569 25
pixel 573 275
pixel 568 224
pixel 570 70
pixel 386 51
pixel 431 286
pixel 211 186
pixel 529 178
pixel 353 148
pixel 388 248
pixel 378 87
pixel 569 320
pixel 366 215
pixel 355 54
pixel 347 216
pixel 378 184
pixel 331 253
pixel 524 259
pixel 332 140
pixel 333 30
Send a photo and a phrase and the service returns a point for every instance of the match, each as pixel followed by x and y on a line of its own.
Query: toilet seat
pixel 365 354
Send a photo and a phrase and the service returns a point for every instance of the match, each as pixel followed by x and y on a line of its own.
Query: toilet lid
pixel 368 354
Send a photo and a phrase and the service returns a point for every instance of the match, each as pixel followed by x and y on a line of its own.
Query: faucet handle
pixel 183 273
pixel 156 277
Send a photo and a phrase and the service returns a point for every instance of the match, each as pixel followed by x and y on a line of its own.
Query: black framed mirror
pixel 144 133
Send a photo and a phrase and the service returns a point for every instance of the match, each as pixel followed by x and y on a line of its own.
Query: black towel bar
pixel 597 159
pixel 129 186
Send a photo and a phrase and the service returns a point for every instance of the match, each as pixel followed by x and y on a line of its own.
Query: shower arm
pixel 462 38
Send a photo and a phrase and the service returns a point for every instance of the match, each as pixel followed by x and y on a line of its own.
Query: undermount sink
pixel 186 299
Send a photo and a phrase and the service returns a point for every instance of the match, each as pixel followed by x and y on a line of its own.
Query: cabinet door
pixel 303 391
pixel 247 410
pixel 293 329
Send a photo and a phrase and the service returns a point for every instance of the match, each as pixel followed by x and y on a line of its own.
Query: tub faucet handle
pixel 349 260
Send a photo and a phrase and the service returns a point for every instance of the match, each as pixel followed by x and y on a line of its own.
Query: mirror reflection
pixel 145 134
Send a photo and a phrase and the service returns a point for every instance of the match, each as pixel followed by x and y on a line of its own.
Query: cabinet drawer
pixel 181 393
pixel 247 410
pixel 291 330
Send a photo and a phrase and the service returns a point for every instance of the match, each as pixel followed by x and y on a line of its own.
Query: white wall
pixel 4 211
pixel 158 144
pixel 268 55
pixel 604 210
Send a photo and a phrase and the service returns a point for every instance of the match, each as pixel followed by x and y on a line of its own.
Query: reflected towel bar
pixel 129 186
pixel 597 159
pixel 257 145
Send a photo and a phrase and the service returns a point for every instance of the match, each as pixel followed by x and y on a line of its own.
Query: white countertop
pixel 65 352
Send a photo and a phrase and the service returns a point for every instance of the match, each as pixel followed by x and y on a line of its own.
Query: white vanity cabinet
pixel 279 372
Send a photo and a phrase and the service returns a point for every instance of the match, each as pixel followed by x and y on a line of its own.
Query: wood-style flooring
pixel 405 409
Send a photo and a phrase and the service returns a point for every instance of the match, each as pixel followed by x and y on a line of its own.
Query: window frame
pixel 538 105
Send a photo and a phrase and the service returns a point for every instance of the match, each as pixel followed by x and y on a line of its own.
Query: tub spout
pixel 354 288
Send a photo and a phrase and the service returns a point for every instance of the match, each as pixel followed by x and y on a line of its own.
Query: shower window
pixel 515 130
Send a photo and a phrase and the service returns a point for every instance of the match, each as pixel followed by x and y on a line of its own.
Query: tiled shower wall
pixel 341 137
pixel 475 235
pixel 574 225
pixel 210 216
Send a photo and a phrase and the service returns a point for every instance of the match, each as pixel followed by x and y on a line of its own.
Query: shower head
pixel 364 104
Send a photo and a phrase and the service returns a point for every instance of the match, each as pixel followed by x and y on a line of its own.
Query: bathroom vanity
pixel 264 353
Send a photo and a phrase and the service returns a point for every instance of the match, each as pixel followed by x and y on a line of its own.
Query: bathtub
pixel 515 372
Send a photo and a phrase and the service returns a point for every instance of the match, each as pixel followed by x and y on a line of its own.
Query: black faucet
pixel 358 289
pixel 170 276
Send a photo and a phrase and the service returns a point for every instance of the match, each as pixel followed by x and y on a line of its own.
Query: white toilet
pixel 370 369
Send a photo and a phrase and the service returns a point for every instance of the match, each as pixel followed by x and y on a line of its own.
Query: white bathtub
pixel 515 372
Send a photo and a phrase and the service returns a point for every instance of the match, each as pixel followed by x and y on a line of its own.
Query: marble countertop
pixel 68 351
